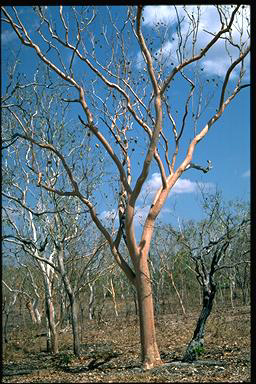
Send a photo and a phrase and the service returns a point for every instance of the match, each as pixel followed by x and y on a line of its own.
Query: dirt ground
pixel 111 352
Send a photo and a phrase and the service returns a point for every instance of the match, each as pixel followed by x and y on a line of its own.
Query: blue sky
pixel 227 144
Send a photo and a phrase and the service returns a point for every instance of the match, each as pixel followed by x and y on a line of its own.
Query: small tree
pixel 68 231
pixel 213 245
pixel 24 233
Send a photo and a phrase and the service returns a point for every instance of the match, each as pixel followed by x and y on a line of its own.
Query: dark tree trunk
pixel 196 345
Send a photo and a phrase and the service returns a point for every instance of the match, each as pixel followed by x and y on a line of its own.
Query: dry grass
pixel 114 347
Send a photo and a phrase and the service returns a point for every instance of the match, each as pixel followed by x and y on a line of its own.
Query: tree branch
pixel 110 152
pixel 200 168
pixel 201 54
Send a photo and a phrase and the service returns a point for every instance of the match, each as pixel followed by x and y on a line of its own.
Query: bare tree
pixel 65 233
pixel 9 303
pixel 59 232
pixel 19 279
pixel 46 266
pixel 117 98
pixel 168 255
pixel 212 245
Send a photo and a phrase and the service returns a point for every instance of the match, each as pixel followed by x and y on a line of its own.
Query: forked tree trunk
pixel 149 350
pixel 196 345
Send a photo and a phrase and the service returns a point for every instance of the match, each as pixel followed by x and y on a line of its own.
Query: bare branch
pixel 16 290
pixel 200 168
pixel 146 52
pixel 229 71
pixel 184 63
pixel 111 153
pixel 29 209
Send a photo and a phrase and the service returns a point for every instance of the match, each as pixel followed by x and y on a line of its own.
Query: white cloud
pixel 188 186
pixel 217 60
pixel 108 216
pixel 167 52
pixel 152 185
pixel 148 192
pixel 184 186
pixel 247 173
pixel 141 213
pixel 181 186
pixel 159 14
pixel 208 14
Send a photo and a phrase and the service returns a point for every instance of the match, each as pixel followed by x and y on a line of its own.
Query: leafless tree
pixel 46 266
pixel 65 234
pixel 9 303
pixel 51 255
pixel 212 245
pixel 115 100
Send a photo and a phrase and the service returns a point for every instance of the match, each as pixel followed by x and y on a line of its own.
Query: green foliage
pixel 65 358
pixel 198 350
